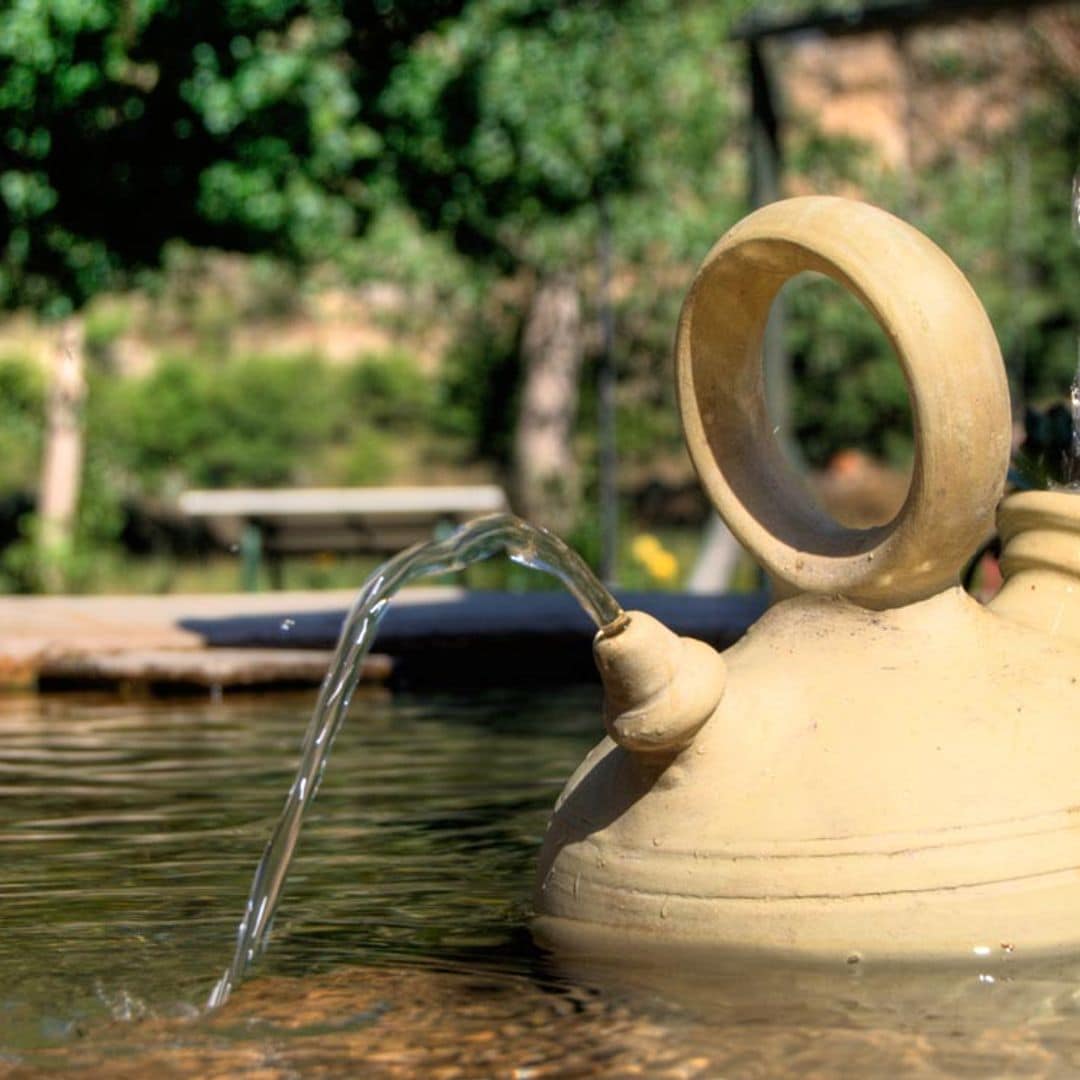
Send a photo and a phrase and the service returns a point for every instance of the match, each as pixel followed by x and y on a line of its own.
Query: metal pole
pixel 251 551
pixel 719 555
pixel 1019 272
pixel 765 166
pixel 605 412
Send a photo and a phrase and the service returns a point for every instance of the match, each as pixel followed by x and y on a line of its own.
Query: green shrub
pixel 22 410
pixel 367 460
pixel 849 389
pixel 479 384
pixel 389 390
pixel 104 321
pixel 258 421
pixel 250 421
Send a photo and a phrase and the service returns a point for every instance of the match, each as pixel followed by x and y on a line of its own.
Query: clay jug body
pixel 882 767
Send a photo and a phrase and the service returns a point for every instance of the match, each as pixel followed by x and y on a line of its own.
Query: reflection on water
pixel 126 838
pixel 127 835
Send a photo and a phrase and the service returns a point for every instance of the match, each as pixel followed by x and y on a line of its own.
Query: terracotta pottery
pixel 881 767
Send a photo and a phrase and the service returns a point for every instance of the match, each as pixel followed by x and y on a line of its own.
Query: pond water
pixel 128 833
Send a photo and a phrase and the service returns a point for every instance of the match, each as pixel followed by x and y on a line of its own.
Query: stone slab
pixel 436 635
pixel 452 637
pixel 220 668
pixel 422 618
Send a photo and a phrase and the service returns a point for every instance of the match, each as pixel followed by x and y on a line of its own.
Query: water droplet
pixel 577 884
pixel 665 908
pixel 656 841
pixel 984 978
pixel 234 549
pixel 287 625
pixel 981 950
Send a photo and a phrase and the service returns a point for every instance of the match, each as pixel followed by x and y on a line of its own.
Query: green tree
pixel 514 126
pixel 997 200
pixel 127 125
pixel 237 124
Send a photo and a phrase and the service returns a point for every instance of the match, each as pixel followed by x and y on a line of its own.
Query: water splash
pixel 524 544
pixel 1072 468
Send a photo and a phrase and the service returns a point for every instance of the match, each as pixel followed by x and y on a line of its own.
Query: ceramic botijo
pixel 881 767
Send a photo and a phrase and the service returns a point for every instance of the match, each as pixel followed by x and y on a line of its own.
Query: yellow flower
pixel 644 546
pixel 660 564
pixel 663 566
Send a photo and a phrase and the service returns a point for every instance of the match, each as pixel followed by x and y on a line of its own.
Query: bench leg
pixel 251 548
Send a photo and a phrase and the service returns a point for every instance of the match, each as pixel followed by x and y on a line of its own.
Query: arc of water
pixel 526 545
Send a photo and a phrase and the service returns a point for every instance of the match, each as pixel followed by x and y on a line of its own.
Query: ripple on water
pixel 127 839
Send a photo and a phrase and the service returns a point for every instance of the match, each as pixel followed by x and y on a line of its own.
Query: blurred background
pixel 330 243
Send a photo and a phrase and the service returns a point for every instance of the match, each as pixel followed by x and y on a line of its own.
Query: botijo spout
pixel 659 688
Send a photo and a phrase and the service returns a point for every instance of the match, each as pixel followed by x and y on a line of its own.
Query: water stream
pixel 1072 468
pixel 524 544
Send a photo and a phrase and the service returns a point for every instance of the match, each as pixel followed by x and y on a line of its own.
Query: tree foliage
pixel 319 132
pixel 509 124
pixel 230 123
pixel 257 421
pixel 999 205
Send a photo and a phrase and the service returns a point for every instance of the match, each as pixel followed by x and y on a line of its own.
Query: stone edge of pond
pixel 433 636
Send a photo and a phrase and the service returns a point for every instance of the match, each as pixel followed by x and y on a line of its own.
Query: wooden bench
pixel 308 521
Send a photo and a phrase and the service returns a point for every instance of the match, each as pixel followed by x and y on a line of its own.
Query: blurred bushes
pixel 258 421
pixel 105 321
pixel 241 422
pixel 197 422
pixel 480 381
pixel 389 390
pixel 22 405
pixel 446 150
pixel 849 388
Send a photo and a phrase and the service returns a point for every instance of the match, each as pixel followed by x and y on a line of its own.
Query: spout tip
pixel 616 626
pixel 660 688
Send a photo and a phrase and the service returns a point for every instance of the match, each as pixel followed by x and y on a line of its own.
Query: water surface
pixel 128 832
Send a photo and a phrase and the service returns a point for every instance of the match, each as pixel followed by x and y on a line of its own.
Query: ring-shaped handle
pixel 955 378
